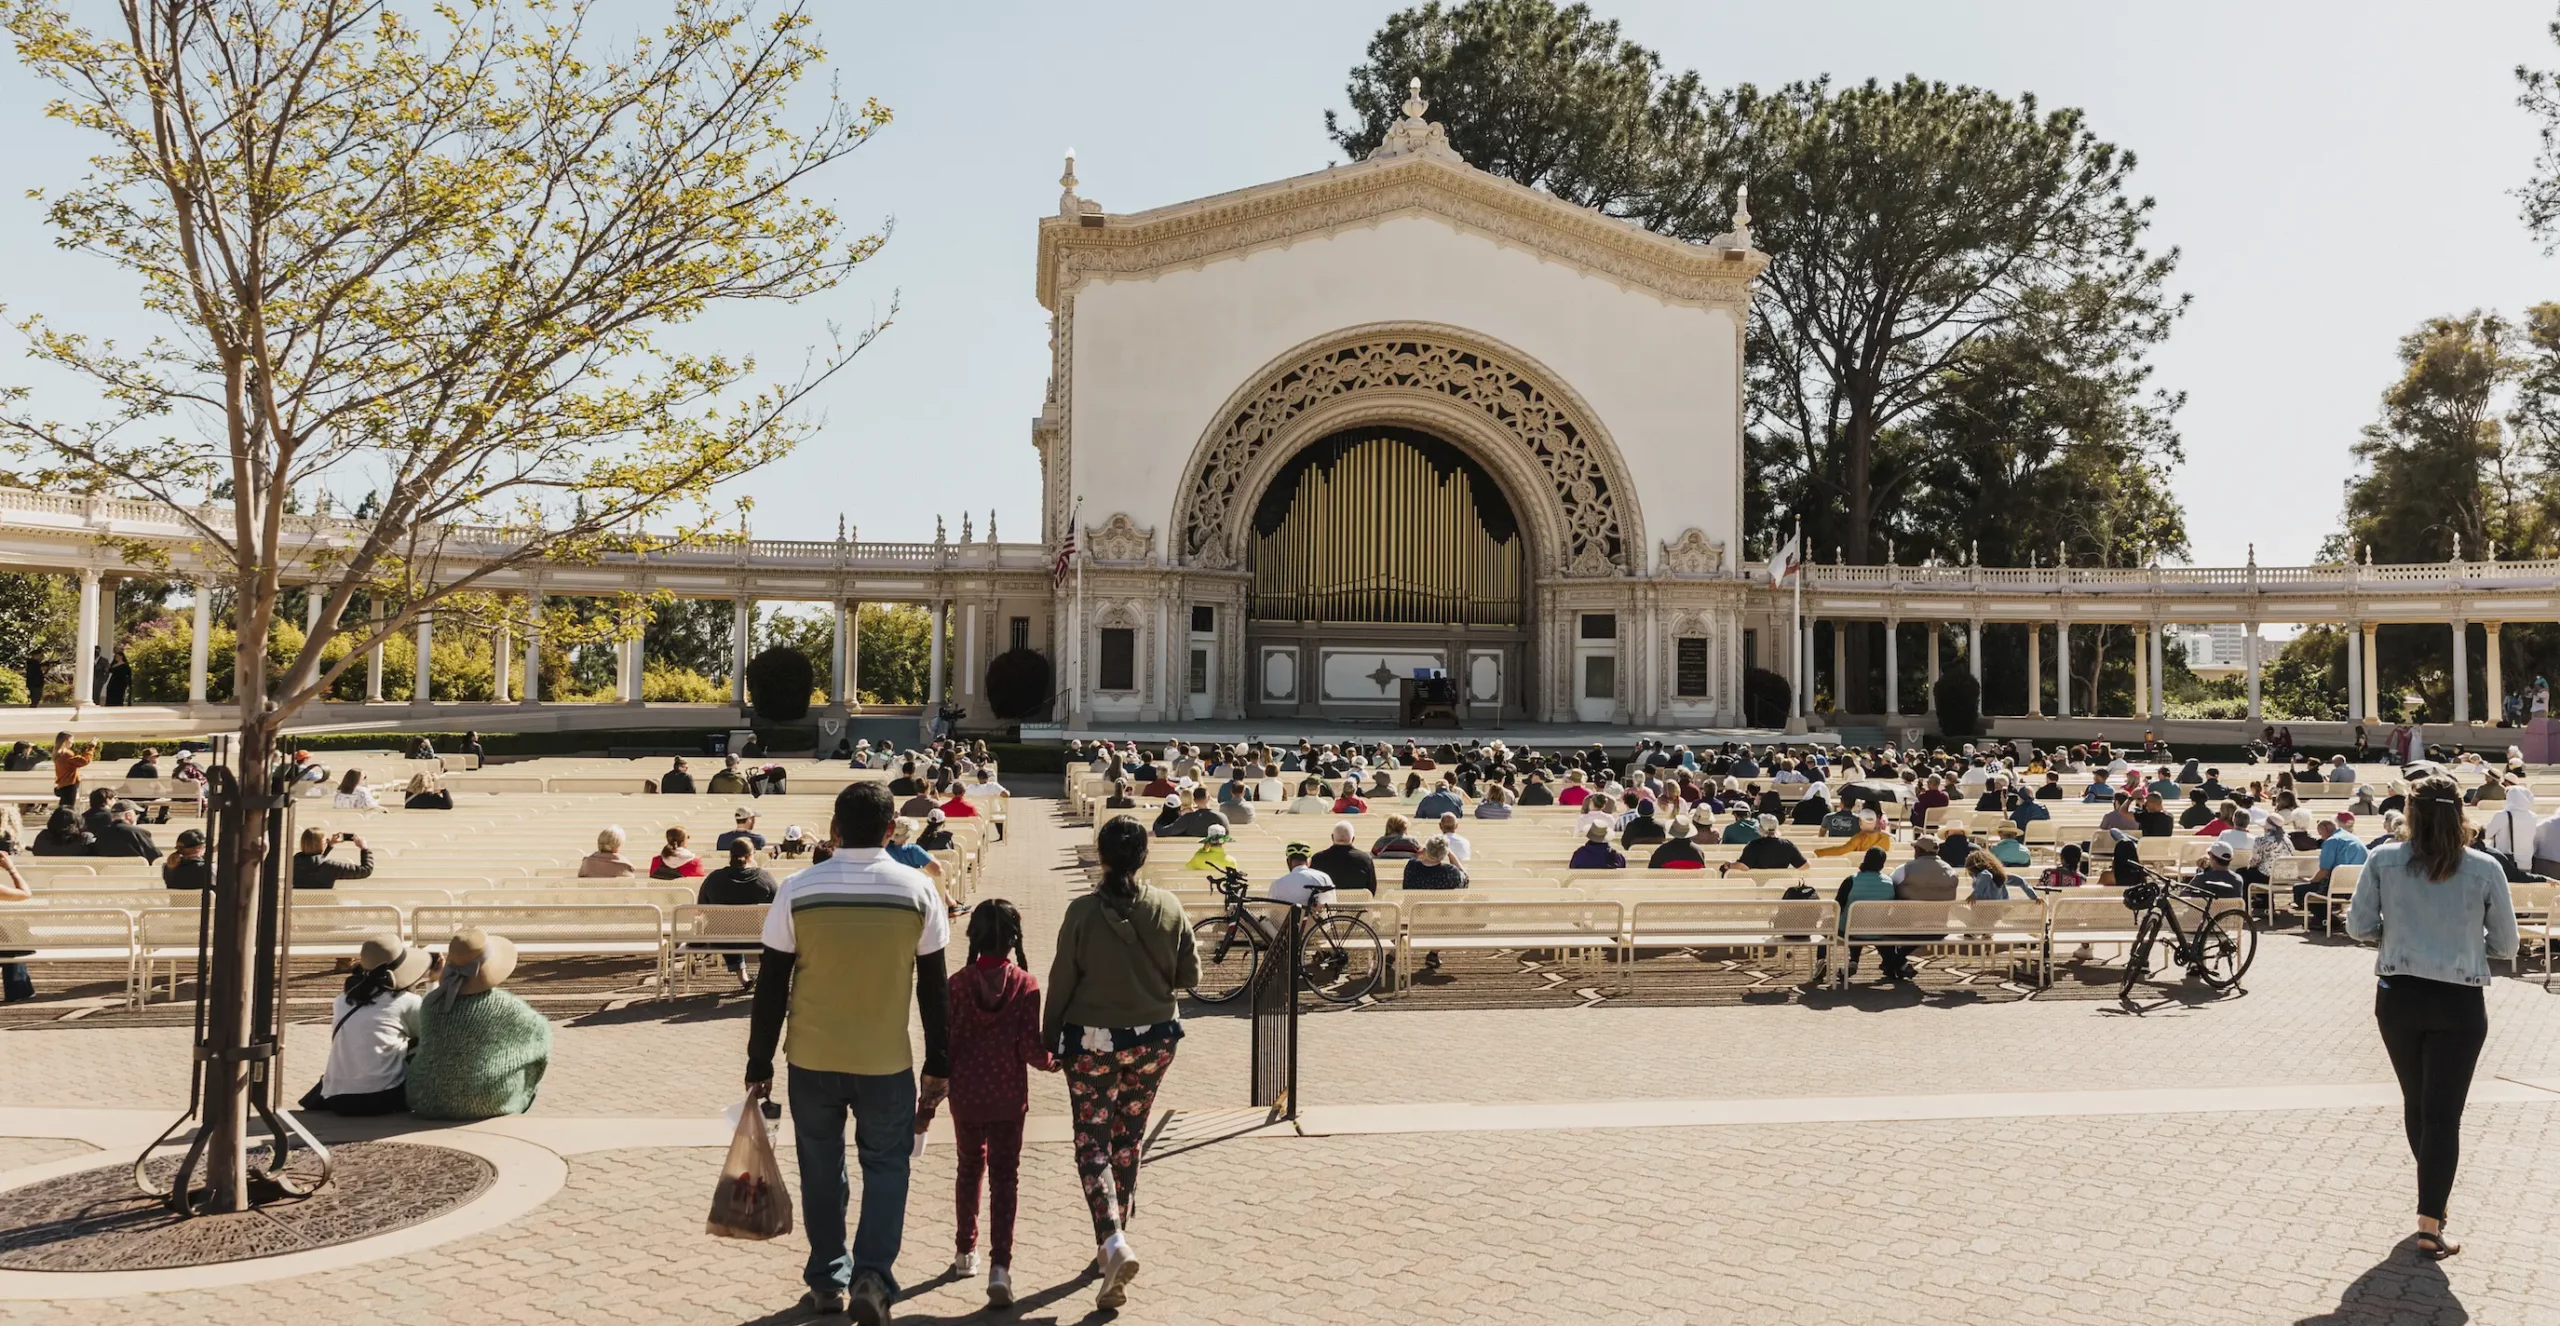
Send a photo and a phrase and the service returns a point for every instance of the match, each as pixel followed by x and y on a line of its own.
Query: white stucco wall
pixel 1155 359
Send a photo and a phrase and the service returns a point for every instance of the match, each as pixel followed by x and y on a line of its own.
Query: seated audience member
pixel 729 782
pixel 1121 798
pixel 2217 875
pixel 770 781
pixel 426 792
pixel 675 860
pixel 2338 770
pixel 1596 853
pixel 1871 832
pixel 1536 792
pixel 794 844
pixel 745 820
pixel 1311 799
pixel 1496 804
pixel 62 836
pixel 1576 789
pixel 740 883
pixel 2011 847
pixel 1867 885
pixel 1680 850
pixel 1745 826
pixel 956 804
pixel 906 784
pixel 1194 821
pixel 481 1051
pixel 1235 803
pixel 1344 863
pixel 934 835
pixel 677 780
pixel 2153 819
pixel 146 767
pixel 1397 842
pixel 124 837
pixel 1643 829
pixel 421 749
pixel 1442 800
pixel 1926 877
pixel 373 1026
pixel 902 848
pixel 312 868
pixel 2337 848
pixel 607 861
pixel 1433 869
pixel 2199 811
pixel 353 794
pixel 1769 851
pixel 1460 849
pixel 2068 874
pixel 1991 881
pixel 186 866
pixel 1350 803
pixel 101 811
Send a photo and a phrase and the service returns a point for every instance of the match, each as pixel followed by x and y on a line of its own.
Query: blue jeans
pixel 884 1121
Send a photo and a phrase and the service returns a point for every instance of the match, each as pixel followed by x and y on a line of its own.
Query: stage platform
pixel 1543 736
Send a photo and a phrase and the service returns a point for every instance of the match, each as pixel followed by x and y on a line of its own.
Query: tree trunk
pixel 232 983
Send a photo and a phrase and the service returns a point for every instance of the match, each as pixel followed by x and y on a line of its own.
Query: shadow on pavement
pixel 2403 1288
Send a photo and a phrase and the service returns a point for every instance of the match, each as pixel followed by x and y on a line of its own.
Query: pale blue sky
pixel 2333 171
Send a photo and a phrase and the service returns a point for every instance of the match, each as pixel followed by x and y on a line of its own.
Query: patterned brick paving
pixel 2243 1218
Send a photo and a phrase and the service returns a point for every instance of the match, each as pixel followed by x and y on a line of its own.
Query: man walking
pixel 843 942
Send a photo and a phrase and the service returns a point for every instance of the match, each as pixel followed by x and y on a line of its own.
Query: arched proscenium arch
pixel 1560 469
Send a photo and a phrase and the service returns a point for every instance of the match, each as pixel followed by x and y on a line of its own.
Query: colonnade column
pixel 636 652
pixel 836 656
pixel 2497 675
pixel 853 655
pixel 2461 671
pixel 2141 679
pixel 2035 669
pixel 1839 666
pixel 422 685
pixel 1804 668
pixel 198 647
pixel 2249 660
pixel 1931 706
pixel 84 647
pixel 2062 667
pixel 933 673
pixel 533 647
pixel 311 596
pixel 2372 671
pixel 373 661
pixel 741 624
pixel 969 649
pixel 501 663
pixel 1892 668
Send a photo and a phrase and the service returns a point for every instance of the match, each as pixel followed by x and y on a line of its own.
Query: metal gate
pixel 1274 1009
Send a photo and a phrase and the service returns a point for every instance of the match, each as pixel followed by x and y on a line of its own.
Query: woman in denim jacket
pixel 2441 912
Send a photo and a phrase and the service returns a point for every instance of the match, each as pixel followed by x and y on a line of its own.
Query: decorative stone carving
pixel 1693 554
pixel 1414 136
pixel 1120 540
pixel 1560 445
pixel 1216 555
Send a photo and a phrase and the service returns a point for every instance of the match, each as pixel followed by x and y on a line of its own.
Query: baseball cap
pixel 744 815
pixel 792 834
pixel 2219 851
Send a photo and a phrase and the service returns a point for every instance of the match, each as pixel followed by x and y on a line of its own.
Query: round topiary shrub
pixel 1766 698
pixel 1959 704
pixel 779 682
pixel 1018 683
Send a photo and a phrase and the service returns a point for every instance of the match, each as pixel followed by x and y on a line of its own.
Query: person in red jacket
pixel 995 1036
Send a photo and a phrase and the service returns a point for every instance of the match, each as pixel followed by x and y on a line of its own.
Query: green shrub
pixel 673 685
pixel 1018 683
pixel 1959 703
pixel 13 688
pixel 160 661
pixel 780 682
pixel 1767 698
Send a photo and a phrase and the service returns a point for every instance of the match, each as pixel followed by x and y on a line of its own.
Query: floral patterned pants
pixel 1111 1092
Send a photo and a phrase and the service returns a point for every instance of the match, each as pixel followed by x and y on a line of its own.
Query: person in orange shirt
pixel 68 761
pixel 1871 833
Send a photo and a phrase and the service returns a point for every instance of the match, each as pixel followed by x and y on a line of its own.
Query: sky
pixel 2331 171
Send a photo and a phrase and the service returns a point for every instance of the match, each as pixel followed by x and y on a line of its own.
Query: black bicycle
pixel 1339 956
pixel 2207 933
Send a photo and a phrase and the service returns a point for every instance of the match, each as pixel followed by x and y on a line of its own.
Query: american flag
pixel 1066 550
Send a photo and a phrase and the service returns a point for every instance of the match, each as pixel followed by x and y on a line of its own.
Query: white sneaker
pixel 1119 1267
pixel 965 1264
pixel 999 1286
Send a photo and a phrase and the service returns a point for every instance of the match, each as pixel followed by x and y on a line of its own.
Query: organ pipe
pixel 1379 535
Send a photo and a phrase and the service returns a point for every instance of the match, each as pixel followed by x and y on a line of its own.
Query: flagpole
pixel 1804 655
pixel 1079 695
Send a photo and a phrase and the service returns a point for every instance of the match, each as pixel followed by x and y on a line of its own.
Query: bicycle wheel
pixel 1228 956
pixel 2137 961
pixel 1339 959
pixel 2224 948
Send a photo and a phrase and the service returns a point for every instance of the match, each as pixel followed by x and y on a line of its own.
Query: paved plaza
pixel 1491 1149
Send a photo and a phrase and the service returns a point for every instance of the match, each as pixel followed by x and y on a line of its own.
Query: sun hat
pixel 407 962
pixel 1598 833
pixel 495 956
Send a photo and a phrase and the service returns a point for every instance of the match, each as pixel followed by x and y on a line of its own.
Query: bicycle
pixel 1339 956
pixel 2217 950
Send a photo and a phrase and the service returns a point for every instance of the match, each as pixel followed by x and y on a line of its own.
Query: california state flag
pixel 1783 563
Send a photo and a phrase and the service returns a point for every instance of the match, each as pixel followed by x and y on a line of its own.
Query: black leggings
pixel 2433 1030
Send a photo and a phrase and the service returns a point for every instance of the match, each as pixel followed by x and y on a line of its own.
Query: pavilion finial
pixel 2457 545
pixel 991 524
pixel 939 535
pixel 2253 554
pixel 1414 105
pixel 2368 553
pixel 1414 136
pixel 968 532
pixel 1742 216
pixel 839 527
pixel 1068 203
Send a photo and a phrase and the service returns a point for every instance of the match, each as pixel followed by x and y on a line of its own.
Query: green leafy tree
pixel 812 635
pixel 897 643
pixel 691 635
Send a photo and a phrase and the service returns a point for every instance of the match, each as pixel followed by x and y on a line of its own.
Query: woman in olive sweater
pixel 1113 1016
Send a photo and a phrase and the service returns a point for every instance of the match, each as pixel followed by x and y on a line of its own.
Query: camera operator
pixel 312 868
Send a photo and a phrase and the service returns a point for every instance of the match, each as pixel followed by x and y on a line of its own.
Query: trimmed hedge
pixel 779 683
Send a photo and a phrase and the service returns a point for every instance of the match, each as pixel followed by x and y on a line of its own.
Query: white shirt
pixel 986 791
pixel 1459 847
pixel 1789 776
pixel 1299 886
pixel 359 799
pixel 2244 846
pixel 1974 778
pixel 370 1049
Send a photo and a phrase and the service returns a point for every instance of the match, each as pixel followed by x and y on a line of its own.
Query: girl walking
pixel 1124 956
pixel 2441 911
pixel 995 1036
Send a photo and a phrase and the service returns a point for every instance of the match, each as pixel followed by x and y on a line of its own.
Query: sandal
pixel 2436 1247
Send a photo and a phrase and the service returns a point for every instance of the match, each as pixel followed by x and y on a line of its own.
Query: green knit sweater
pixel 479 1056
pixel 1120 970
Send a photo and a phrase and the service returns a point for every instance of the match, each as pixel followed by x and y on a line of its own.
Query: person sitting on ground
pixel 373 1026
pixel 482 1052
pixel 62 835
pixel 745 819
pixel 677 779
pixel 1769 851
pixel 1195 821
pixel 1344 863
pixel 1595 853
pixel 740 883
pixel 794 844
pixel 125 837
pixel 1496 803
pixel 186 867
pixel 1397 842
pixel 675 860
pixel 1433 869
pixel 607 861
pixel 426 792
pixel 1641 828
pixel 1680 850
pixel 729 782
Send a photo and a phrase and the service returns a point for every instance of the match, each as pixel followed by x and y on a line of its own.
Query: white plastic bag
pixel 751 1201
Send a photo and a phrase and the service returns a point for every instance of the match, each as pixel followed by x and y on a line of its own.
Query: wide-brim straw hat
pixel 407 961
pixel 496 955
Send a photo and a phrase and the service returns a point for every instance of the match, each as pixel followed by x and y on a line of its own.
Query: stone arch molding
pixel 1502 406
